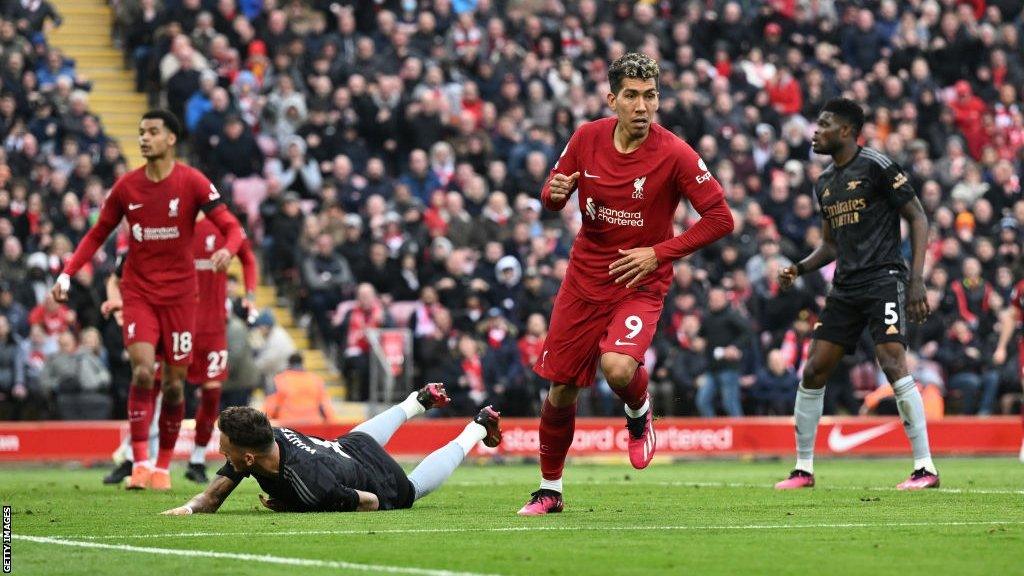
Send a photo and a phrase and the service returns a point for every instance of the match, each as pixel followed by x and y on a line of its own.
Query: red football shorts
pixel 581 331
pixel 211 358
pixel 168 328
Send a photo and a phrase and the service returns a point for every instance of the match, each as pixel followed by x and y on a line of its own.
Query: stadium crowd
pixel 388 156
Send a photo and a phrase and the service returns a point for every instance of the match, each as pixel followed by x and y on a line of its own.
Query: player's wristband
pixel 800 270
pixel 64 281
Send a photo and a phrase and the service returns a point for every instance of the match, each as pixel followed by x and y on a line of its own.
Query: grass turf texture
pixel 708 517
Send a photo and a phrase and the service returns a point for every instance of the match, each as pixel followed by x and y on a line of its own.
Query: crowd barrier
pixel 677 437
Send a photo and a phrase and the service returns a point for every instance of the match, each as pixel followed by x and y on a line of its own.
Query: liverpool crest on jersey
pixel 638 188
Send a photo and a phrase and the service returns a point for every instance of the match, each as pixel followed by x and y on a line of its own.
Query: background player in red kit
pixel 209 368
pixel 160 202
pixel 631 175
pixel 1011 317
pixel 210 342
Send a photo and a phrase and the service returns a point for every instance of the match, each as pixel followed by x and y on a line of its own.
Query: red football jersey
pixel 1017 298
pixel 161 220
pixel 213 286
pixel 628 201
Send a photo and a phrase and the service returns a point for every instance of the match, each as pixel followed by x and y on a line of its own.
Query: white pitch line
pixel 564 528
pixel 684 484
pixel 264 558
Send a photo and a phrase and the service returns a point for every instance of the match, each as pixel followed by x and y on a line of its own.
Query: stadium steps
pixel 86 36
pixel 313 358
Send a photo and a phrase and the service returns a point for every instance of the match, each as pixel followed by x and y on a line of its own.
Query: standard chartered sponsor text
pixel 620 217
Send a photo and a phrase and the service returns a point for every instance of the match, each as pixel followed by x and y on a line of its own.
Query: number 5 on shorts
pixel 891 316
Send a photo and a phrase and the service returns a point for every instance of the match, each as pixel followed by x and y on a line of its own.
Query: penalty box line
pixel 261 558
pixel 520 529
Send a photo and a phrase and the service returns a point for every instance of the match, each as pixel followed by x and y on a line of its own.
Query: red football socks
pixel 206 414
pixel 635 392
pixel 169 424
pixel 557 426
pixel 140 417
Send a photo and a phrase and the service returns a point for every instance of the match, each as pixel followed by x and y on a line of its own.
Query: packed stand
pixel 388 157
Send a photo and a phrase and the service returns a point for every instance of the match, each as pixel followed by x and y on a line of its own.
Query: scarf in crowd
pixel 425 325
pixel 359 321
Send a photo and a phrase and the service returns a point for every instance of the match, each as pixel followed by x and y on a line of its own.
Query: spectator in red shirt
pixel 784 93
pixel 968 110
pixel 54 317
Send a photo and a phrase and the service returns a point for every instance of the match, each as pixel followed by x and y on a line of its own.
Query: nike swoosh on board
pixel 839 442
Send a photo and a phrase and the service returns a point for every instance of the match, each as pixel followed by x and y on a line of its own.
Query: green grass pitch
pixel 701 517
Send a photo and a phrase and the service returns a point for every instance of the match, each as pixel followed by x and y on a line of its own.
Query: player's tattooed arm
pixel 207 501
pixel 917 302
pixel 822 255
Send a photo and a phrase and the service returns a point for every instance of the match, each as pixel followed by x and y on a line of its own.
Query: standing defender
pixel 862 194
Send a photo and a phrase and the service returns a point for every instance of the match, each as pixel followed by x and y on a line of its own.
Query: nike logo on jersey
pixel 839 442
pixel 621 343
pixel 588 174
pixel 134 206
pixel 178 357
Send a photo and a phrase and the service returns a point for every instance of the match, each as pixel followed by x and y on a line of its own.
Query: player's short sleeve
pixel 894 185
pixel 228 471
pixel 694 180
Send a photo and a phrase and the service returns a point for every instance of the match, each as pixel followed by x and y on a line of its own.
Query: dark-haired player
pixel 303 473
pixel 160 202
pixel 862 194
pixel 209 369
pixel 631 175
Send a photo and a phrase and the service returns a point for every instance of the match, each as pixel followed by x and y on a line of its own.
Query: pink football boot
pixel 797 479
pixel 919 480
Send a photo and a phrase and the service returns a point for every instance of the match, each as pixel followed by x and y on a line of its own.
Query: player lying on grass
pixel 353 473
